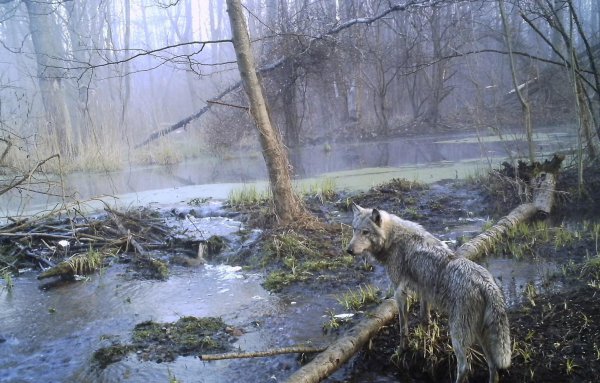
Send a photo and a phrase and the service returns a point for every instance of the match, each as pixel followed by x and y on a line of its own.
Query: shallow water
pixel 50 335
pixel 353 166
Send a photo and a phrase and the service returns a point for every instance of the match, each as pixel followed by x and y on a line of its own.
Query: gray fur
pixel 416 260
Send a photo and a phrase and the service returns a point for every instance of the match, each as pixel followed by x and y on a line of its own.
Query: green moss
pixel 165 341
pixel 109 355
pixel 277 280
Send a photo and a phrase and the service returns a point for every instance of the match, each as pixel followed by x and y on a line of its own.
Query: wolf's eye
pixel 365 232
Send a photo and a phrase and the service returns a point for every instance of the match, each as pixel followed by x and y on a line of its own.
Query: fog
pixel 111 84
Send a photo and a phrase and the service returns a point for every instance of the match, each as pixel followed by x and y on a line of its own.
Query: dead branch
pixel 260 354
pixel 113 215
pixel 27 176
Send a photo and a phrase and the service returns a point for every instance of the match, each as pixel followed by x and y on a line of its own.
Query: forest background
pixel 108 84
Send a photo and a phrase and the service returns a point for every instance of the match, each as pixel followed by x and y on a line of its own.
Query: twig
pixel 260 354
pixel 216 102
pixel 28 175
pixel 125 232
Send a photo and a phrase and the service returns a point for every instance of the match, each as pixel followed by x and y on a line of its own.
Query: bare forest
pixel 468 131
pixel 109 83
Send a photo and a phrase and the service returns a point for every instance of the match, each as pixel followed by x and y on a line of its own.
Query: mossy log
pixel 343 349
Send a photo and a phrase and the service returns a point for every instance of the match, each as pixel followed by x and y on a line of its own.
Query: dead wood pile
pixel 78 244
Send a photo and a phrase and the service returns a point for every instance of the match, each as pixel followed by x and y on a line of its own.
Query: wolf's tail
pixel 496 328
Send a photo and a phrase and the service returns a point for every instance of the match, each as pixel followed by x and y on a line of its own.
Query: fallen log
pixel 343 349
pixel 543 198
pixel 260 354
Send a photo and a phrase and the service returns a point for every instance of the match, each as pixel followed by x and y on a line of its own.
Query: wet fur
pixel 416 260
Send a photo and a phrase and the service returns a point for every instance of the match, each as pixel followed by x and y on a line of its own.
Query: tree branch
pixel 28 175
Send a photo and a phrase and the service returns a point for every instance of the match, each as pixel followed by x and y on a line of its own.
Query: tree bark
pixel 260 354
pixel 287 206
pixel 50 57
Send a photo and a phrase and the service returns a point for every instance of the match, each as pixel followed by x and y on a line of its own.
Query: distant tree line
pixel 92 79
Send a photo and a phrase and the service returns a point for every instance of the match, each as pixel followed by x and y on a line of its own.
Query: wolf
pixel 414 259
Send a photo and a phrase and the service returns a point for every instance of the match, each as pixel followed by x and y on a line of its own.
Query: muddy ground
pixel 555 331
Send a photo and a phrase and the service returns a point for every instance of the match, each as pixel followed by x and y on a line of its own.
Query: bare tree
pixel 287 205
pixel 50 56
pixel 518 86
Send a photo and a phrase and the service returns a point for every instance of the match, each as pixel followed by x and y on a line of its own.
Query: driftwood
pixel 260 354
pixel 344 348
pixel 67 243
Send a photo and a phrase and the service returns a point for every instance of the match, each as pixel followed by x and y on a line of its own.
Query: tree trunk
pixel 524 103
pixel 287 205
pixel 50 57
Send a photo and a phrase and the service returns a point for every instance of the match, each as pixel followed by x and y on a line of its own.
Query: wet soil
pixel 555 331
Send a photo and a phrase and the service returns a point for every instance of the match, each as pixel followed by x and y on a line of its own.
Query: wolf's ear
pixel 356 209
pixel 376 217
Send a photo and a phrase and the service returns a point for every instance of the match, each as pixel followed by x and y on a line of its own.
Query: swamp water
pixel 50 335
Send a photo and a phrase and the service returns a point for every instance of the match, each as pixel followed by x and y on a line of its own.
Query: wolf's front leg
pixel 401 300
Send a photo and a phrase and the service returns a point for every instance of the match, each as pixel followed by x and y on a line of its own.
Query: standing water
pixel 50 335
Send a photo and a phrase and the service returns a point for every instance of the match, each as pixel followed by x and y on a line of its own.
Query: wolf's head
pixel 368 234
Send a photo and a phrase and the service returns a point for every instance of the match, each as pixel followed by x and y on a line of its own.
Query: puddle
pixel 51 335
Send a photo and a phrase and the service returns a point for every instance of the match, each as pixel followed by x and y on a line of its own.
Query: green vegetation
pixel 165 341
pixel 529 239
pixel 324 189
pixel 6 275
pixel 333 322
pixel 299 257
pixel 247 196
pixel 87 263
pixel 428 341
pixel 360 298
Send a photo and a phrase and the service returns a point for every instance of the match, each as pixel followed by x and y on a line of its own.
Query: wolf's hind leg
pixel 460 349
